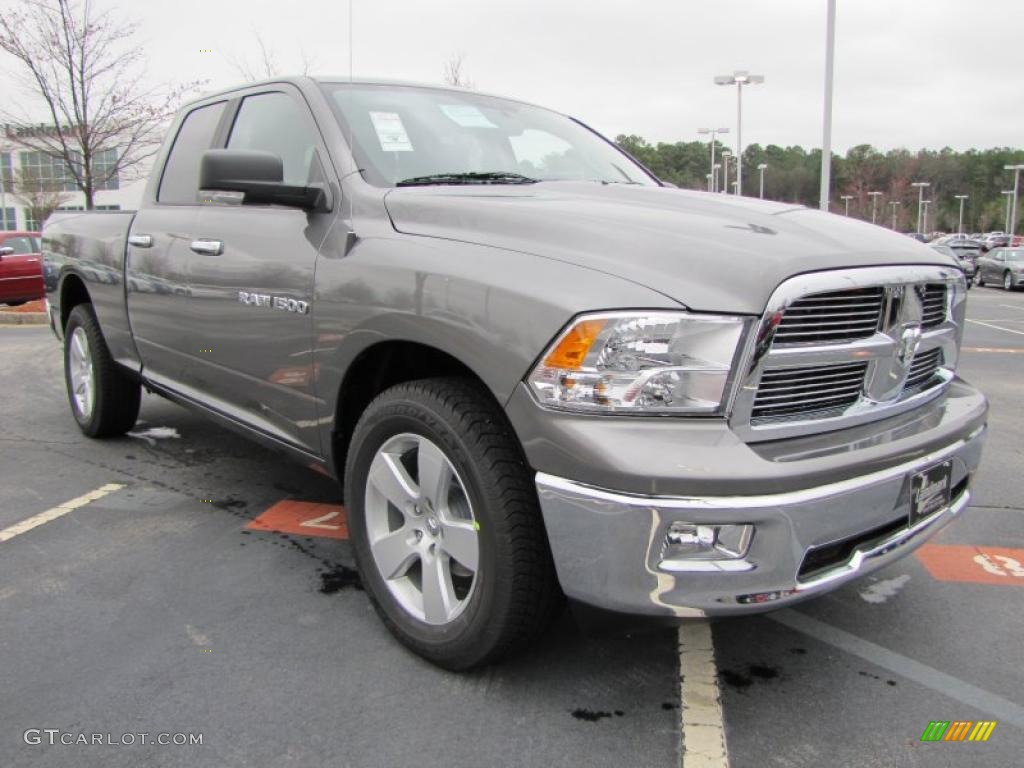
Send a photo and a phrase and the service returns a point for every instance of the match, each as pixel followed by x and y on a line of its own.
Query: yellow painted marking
pixel 60 510
pixel 703 731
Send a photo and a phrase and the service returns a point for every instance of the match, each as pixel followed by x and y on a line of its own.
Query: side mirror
pixel 259 176
pixel 6 251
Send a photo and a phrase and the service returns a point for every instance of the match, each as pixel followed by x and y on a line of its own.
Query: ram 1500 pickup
pixel 535 369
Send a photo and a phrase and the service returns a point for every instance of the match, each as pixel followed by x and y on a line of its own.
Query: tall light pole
pixel 725 170
pixel 874 203
pixel 1013 216
pixel 714 177
pixel 894 203
pixel 739 78
pixel 713 132
pixel 920 201
pixel 1009 198
pixel 711 176
pixel 926 203
pixel 761 168
pixel 826 140
pixel 846 199
pixel 960 226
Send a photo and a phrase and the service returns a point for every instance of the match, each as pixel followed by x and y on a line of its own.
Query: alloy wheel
pixel 421 529
pixel 83 382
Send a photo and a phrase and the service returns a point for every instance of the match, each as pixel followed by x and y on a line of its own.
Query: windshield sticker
pixel 467 116
pixel 390 132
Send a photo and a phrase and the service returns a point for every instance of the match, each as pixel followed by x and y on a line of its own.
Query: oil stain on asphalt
pixel 592 716
pixel 741 680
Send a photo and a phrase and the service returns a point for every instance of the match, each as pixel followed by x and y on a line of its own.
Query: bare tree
pixel 41 196
pixel 453 74
pixel 87 69
pixel 267 66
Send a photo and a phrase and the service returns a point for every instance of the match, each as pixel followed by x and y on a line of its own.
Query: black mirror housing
pixel 259 176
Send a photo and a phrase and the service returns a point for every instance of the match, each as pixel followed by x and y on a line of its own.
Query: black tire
pixel 1008 283
pixel 516 594
pixel 979 280
pixel 116 396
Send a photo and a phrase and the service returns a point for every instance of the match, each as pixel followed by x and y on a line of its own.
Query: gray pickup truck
pixel 535 369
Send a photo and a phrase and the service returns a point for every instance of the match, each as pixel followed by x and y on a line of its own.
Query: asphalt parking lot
pixel 161 604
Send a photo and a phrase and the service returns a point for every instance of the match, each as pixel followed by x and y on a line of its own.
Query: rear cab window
pixel 180 181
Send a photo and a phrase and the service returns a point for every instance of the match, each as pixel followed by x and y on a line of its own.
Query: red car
pixel 21 268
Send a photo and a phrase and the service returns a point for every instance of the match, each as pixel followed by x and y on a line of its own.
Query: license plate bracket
pixel 930 491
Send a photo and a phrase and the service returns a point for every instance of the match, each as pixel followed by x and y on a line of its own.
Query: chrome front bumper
pixel 608 547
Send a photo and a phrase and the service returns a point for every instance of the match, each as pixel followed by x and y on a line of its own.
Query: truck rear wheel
pixel 104 399
pixel 445 524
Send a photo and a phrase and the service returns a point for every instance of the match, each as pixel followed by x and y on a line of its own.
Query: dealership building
pixel 115 193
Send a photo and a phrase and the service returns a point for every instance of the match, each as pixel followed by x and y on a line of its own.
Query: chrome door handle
pixel 140 241
pixel 208 247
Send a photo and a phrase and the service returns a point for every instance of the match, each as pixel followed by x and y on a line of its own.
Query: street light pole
pixel 846 199
pixel 894 203
pixel 709 177
pixel 761 168
pixel 920 201
pixel 712 131
pixel 826 141
pixel 1013 216
pixel 960 226
pixel 725 170
pixel 739 78
pixel 874 203
pixel 1009 198
pixel 926 203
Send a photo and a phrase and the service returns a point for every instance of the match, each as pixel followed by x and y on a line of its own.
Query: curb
pixel 23 318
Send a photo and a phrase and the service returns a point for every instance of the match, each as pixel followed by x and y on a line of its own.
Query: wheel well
pixel 72 293
pixel 382 366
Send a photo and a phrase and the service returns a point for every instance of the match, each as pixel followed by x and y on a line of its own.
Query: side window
pixel 21 245
pixel 275 122
pixel 180 182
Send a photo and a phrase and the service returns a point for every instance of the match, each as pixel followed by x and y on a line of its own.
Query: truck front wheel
pixel 104 399
pixel 445 524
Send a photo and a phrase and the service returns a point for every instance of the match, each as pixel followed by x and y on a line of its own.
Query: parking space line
pixel 1012 306
pixel 1000 350
pixel 997 327
pixel 61 509
pixel 703 732
pixel 1001 709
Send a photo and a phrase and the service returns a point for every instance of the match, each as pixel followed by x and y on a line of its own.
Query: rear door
pixel 21 272
pixel 252 286
pixel 157 262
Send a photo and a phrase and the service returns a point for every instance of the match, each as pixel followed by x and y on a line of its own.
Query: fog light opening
pixel 692 541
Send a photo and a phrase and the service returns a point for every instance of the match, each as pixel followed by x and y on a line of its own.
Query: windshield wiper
pixel 476 177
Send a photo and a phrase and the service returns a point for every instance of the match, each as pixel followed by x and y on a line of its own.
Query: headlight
pixel 640 362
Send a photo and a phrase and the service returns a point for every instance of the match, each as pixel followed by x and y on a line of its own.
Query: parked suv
pixel 534 368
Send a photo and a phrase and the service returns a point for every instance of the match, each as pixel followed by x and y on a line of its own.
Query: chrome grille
pixel 923 368
pixel 933 300
pixel 789 392
pixel 845 347
pixel 831 317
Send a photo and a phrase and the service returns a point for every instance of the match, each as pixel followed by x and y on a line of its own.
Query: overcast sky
pixel 908 72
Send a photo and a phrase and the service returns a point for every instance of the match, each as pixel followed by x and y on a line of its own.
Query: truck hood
pixel 710 252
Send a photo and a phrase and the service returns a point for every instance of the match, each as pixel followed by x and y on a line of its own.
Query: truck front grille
pixel 789 392
pixel 933 303
pixel 923 368
pixel 835 316
pixel 846 347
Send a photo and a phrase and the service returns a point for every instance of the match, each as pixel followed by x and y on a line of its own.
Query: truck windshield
pixel 410 136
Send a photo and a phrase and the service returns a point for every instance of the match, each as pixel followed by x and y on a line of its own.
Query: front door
pixel 251 282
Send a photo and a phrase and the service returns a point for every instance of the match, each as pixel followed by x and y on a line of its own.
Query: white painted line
pixel 62 509
pixel 703 732
pixel 940 682
pixel 997 327
pixel 1012 306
